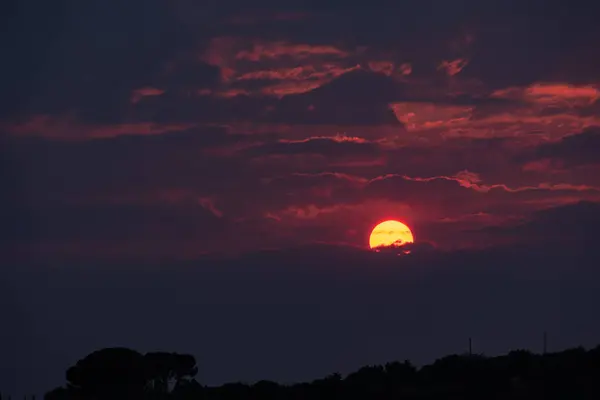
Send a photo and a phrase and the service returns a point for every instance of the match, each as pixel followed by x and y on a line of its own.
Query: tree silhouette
pixel 164 371
pixel 114 373
pixel 188 389
pixel 108 374
pixel 367 382
pixel 265 390
pixel 59 393
pixel 119 373
pixel 328 387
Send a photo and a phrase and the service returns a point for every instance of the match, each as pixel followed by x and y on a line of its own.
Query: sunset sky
pixel 216 168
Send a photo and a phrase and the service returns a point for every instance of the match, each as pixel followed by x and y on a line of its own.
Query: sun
pixel 390 233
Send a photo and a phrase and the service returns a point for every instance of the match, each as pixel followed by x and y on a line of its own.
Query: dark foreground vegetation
pixel 120 373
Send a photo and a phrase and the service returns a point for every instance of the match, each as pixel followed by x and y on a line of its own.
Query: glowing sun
pixel 390 233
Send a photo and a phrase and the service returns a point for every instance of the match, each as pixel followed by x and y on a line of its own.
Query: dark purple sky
pixel 153 150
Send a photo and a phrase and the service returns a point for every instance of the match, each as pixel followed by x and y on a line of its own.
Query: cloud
pixel 332 147
pixel 572 224
pixel 276 41
pixel 327 112
pixel 519 57
pixel 301 180
pixel 561 95
pixel 424 202
pixel 138 94
pixel 423 115
pixel 297 51
pixel 573 150
pixel 566 93
pixel 188 75
pixel 354 98
pixel 512 113
pixel 125 165
pixel 293 188
pixel 384 67
pixel 453 67
pixel 356 86
pixel 71 128
pixel 60 72
pixel 418 190
pixel 308 194
pixel 286 81
pixel 337 103
pixel 113 229
pixel 120 222
pixel 252 65
pixel 296 73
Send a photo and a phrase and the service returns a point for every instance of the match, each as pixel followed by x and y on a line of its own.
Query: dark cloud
pixel 352 88
pixel 117 222
pixel 451 156
pixel 327 147
pixel 309 181
pixel 356 98
pixel 573 150
pixel 105 167
pixel 420 191
pixel 568 225
pixel 319 190
pixel 187 75
pixel 86 59
pixel 180 106
pixel 518 46
pixel 505 43
pixel 69 60
pixel 592 110
pixel 574 221
pixel 205 171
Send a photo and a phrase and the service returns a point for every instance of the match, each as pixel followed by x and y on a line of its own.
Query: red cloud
pixel 544 165
pixel 70 128
pixel 296 79
pixel 405 69
pixel 384 67
pixel 562 92
pixel 298 51
pixel 337 138
pixel 209 204
pixel 453 67
pixel 138 94
pixel 242 63
pixel 427 115
pixel 337 147
pixel 558 94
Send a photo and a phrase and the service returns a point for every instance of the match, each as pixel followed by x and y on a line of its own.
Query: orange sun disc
pixel 390 233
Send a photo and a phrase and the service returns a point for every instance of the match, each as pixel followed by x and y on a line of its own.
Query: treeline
pixel 119 373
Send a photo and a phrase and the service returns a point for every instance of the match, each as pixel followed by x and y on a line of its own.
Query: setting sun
pixel 390 233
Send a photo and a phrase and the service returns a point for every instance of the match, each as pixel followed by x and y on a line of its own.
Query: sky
pixel 204 178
